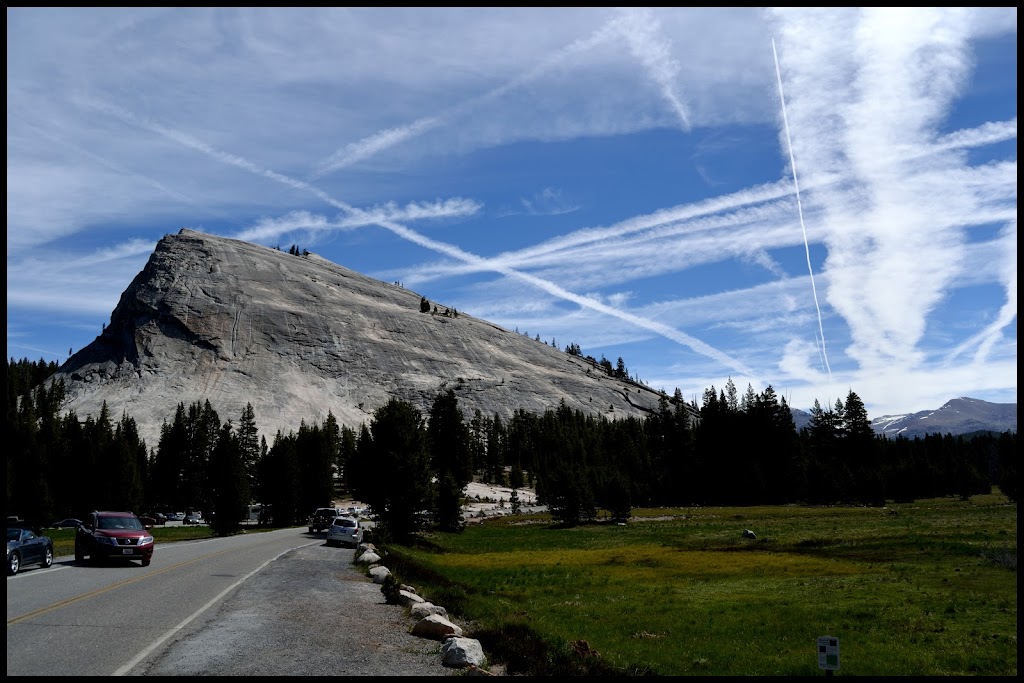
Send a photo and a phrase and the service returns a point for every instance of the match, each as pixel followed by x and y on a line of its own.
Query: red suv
pixel 118 535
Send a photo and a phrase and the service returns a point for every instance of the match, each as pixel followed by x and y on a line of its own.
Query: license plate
pixel 127 551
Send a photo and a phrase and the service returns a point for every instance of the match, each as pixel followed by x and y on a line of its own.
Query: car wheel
pixel 145 563
pixel 13 564
pixel 48 558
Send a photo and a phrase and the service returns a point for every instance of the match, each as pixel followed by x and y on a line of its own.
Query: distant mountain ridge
pixel 958 416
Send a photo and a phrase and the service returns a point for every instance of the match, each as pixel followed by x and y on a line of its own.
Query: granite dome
pixel 297 336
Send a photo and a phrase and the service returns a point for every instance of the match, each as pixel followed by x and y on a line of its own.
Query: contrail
pixel 637 27
pixel 424 241
pixel 382 140
pixel 800 211
pixel 53 137
pixel 640 31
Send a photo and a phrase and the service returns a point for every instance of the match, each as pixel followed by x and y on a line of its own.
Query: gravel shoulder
pixel 311 612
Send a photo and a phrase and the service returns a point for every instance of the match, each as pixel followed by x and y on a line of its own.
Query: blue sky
pixel 817 200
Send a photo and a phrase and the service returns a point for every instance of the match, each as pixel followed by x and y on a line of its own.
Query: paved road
pixel 309 613
pixel 275 603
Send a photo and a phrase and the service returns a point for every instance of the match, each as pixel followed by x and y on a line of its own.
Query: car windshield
pixel 345 522
pixel 119 523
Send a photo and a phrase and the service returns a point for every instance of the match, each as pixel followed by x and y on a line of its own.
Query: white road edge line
pixel 160 641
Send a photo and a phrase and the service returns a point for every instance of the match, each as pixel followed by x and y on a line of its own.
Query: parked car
pixel 175 516
pixel 113 535
pixel 25 546
pixel 192 518
pixel 69 523
pixel 159 518
pixel 344 531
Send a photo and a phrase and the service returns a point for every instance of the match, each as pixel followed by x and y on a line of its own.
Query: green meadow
pixel 917 589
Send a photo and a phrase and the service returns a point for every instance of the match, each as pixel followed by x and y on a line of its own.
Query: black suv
pixel 119 535
pixel 322 518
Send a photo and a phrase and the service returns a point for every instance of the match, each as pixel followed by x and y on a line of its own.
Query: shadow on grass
pixel 514 645
pixel 524 652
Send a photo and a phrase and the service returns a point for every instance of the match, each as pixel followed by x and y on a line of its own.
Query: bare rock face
pixel 298 337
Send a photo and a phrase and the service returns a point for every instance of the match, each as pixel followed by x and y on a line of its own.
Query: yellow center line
pixel 101 591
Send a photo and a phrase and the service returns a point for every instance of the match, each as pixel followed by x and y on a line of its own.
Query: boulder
pixel 369 557
pixel 459 652
pixel 379 573
pixel 407 599
pixel 435 627
pixel 425 609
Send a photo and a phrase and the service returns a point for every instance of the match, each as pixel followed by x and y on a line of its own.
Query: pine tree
pixel 249 445
pixel 861 452
pixel 857 424
pixel 317 453
pixel 1006 473
pixel 569 496
pixel 829 477
pixel 748 400
pixel 731 398
pixel 478 440
pixel 330 436
pixel 203 429
pixel 167 466
pixel 280 486
pixel 395 480
pixel 128 455
pixel 99 433
pixel 448 442
pixel 497 451
pixel 358 471
pixel 346 456
pixel 230 494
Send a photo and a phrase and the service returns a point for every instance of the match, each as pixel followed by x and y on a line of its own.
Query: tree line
pixel 412 468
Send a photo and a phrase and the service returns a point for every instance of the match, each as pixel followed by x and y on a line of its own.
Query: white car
pixel 344 531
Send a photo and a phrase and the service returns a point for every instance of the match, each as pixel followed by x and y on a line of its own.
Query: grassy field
pixel 926 588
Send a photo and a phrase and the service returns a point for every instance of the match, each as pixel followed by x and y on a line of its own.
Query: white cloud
pixel 599 127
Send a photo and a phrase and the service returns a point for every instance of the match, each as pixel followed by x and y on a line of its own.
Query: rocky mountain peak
pixel 298 337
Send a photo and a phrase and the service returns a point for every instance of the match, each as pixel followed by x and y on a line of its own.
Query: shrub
pixel 391 587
